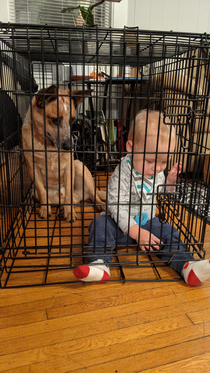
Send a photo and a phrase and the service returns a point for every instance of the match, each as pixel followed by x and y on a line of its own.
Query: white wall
pixel 164 15
pixel 4 7
pixel 120 13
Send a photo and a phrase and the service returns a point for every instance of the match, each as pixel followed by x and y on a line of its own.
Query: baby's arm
pixel 172 176
pixel 119 200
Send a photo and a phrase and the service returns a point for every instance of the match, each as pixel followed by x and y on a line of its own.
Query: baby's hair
pixel 149 124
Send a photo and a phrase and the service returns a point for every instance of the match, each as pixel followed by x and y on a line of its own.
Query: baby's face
pixel 150 163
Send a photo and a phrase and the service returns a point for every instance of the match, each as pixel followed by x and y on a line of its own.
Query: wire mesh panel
pixel 73 169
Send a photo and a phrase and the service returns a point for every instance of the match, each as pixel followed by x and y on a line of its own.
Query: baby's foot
pixel 195 273
pixel 95 271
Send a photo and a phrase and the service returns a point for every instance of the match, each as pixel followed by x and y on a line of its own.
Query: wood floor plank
pixel 152 359
pixel 200 316
pixel 70 298
pixel 122 349
pixel 18 370
pixel 78 318
pixel 166 306
pixel 195 364
pixel 18 295
pixel 26 369
pixel 111 301
pixel 116 300
pixel 72 332
pixel 124 312
pixel 10 297
pixel 23 319
pixel 94 340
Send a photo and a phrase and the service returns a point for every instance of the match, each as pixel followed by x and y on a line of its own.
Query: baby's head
pixel 151 142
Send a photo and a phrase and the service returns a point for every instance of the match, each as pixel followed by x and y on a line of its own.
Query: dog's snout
pixel 67 145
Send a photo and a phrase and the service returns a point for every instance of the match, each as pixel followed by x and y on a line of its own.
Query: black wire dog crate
pixel 123 71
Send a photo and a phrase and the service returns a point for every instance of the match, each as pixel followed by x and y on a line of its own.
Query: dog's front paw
pixel 69 214
pixel 44 212
pixel 101 207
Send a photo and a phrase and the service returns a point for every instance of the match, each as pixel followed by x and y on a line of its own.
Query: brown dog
pixel 47 128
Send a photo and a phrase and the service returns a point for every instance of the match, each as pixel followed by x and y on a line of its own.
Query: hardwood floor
pixel 150 327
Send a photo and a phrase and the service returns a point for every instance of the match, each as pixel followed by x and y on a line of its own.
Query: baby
pixel 130 217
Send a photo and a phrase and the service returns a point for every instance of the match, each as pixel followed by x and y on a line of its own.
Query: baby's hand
pixel 172 175
pixel 146 239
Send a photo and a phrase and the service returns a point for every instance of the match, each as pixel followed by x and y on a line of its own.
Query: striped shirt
pixel 130 195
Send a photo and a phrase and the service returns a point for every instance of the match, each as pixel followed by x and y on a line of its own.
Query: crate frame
pixel 160 54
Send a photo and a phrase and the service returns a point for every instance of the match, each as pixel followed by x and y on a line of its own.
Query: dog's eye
pixel 56 121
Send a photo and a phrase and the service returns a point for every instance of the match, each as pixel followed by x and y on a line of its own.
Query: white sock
pixel 195 273
pixel 95 271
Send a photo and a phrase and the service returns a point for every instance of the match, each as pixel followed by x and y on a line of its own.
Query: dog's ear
pixel 77 96
pixel 50 94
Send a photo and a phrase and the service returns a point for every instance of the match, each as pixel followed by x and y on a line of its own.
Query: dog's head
pixel 54 112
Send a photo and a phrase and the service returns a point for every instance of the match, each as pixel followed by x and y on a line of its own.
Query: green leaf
pixel 89 17
pixel 64 10
pixel 87 14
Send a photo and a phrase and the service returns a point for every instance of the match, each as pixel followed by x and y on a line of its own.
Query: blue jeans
pixel 104 234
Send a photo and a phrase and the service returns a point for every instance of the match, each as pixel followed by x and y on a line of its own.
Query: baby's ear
pixel 129 146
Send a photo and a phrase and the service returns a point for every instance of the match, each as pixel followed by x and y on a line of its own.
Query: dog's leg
pixel 81 172
pixel 69 178
pixel 101 196
pixel 44 210
pixel 100 205
pixel 76 200
pixel 94 195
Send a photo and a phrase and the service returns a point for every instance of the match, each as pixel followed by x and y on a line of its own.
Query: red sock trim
pixel 192 279
pixel 82 271
pixel 186 265
pixel 105 277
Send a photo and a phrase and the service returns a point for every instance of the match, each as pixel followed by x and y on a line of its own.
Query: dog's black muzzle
pixel 68 144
